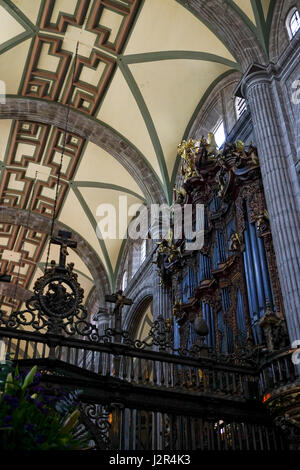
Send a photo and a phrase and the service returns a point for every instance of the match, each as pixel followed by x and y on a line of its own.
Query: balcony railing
pixel 277 371
pixel 159 399
pixel 156 369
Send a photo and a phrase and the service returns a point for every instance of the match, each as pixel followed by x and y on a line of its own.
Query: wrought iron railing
pixel 277 371
pixel 157 369
pixel 141 394
pixel 160 378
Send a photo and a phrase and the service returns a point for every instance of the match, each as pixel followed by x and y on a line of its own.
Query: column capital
pixel 258 72
pixel 254 73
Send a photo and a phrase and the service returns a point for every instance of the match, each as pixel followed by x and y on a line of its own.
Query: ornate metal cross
pixel 119 300
pixel 64 240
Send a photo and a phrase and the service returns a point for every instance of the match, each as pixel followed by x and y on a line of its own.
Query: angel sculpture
pixel 187 150
pixel 212 149
pixel 252 153
pixel 262 222
pixel 168 250
pixel 234 242
pixel 180 195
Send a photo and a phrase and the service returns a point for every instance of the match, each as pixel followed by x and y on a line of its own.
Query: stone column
pixel 260 86
pixel 162 298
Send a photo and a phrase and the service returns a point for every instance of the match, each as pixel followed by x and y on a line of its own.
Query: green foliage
pixel 31 419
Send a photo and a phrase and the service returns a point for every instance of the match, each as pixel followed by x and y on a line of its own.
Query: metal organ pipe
pixel 257 268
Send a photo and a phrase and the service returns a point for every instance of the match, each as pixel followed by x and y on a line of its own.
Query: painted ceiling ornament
pixel 56 306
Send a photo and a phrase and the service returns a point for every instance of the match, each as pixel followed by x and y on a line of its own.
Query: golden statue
pixel 211 146
pixel 174 252
pixel 240 147
pixel 167 247
pixel 235 242
pixel 253 154
pixel 187 150
pixel 181 193
pixel 261 219
pixel 176 310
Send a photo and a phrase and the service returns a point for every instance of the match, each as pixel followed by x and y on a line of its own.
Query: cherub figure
pixel 211 148
pixel 252 153
pixel 177 308
pixel 187 150
pixel 174 252
pixel 234 242
pixel 180 195
pixel 262 221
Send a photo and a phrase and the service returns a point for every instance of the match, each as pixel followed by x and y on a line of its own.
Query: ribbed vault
pixel 142 71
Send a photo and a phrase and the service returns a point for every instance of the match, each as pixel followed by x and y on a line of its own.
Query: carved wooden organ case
pixel 232 281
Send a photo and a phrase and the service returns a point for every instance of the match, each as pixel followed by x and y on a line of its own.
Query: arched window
pixel 145 323
pixel 143 251
pixel 219 133
pixel 240 106
pixel 124 280
pixel 293 22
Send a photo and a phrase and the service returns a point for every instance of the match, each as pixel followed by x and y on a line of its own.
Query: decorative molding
pixel 64 19
pixel 84 96
pixel 45 83
pixel 127 9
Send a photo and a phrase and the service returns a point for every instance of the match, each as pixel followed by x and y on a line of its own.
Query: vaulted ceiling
pixel 142 70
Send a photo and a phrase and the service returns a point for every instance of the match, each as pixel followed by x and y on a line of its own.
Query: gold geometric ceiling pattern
pixel 142 68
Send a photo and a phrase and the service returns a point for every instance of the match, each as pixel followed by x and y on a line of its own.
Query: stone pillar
pixel 162 297
pixel 260 86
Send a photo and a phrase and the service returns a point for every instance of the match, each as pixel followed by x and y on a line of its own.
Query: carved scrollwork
pixel 56 306
pixel 96 419
pixel 161 335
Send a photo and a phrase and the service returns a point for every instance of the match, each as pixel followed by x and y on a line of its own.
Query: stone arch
pixel 17 292
pixel 95 300
pixel 142 299
pixel 279 37
pixel 88 255
pixel 202 119
pixel 128 259
pixel 229 26
pixel 95 132
pixel 124 265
